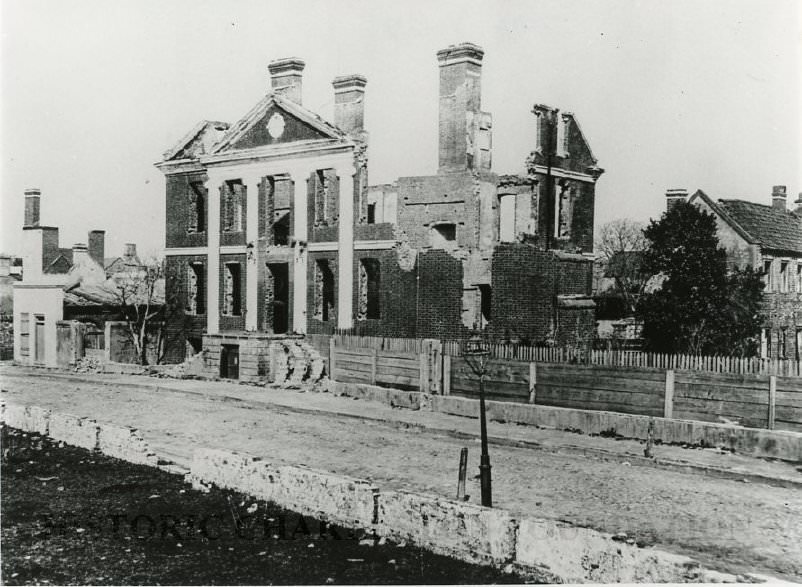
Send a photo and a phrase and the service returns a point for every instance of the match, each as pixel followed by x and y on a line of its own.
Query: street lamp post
pixel 476 353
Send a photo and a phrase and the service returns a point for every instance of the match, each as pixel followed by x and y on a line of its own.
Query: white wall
pixel 42 299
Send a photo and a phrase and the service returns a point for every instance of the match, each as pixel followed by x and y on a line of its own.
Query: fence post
pixel 374 355
pixel 668 405
pixel 532 382
pixel 436 354
pixel 772 400
pixel 446 374
pixel 332 352
pixel 423 371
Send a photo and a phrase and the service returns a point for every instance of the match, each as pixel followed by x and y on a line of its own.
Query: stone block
pixel 74 431
pixel 27 418
pixel 125 443
pixel 461 530
pixel 581 555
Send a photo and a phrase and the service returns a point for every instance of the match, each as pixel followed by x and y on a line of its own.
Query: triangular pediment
pixel 274 121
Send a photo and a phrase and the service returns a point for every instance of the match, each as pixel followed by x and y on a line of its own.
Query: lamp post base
pixel 484 480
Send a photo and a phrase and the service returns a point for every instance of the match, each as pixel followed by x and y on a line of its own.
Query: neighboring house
pixel 58 284
pixel 272 227
pixel 767 237
pixel 8 277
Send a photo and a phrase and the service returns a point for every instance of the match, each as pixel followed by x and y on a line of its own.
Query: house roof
pixel 198 141
pixel 767 226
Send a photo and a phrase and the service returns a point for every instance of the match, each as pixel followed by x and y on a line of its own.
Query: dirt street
pixel 726 524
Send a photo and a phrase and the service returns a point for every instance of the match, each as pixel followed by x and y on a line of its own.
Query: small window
pixel 507 218
pixel 765 343
pixel 232 302
pixel 372 213
pixel 486 294
pixel 369 290
pixel 767 271
pixel 24 334
pixel 784 276
pixel 781 344
pixel 443 234
pixel 799 278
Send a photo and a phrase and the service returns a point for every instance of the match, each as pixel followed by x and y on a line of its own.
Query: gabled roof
pixel 199 141
pixel 759 224
pixel 258 112
pixel 769 226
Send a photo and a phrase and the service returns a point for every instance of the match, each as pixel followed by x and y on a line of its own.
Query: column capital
pixel 345 170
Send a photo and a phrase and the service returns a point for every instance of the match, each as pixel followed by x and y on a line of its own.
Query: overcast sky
pixel 696 94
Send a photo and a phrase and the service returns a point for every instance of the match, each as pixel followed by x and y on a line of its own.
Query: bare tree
pixel 140 293
pixel 620 244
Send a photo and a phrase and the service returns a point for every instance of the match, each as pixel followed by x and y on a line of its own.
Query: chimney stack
pixel 460 103
pixel 80 254
pixel 97 246
pixel 349 103
pixel 130 250
pixel 778 197
pixel 674 197
pixel 32 197
pixel 285 77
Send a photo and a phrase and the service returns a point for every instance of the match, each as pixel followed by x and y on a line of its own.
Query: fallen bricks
pixel 559 551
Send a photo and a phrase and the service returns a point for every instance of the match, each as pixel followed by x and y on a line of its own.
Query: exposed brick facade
pixel 232 322
pixel 179 211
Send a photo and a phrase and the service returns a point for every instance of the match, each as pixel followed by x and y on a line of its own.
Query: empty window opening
pixel 326 188
pixel 197 207
pixel 564 210
pixel 196 288
pixel 281 230
pixel 507 218
pixel 369 289
pixel 372 213
pixel 324 291
pixel 278 297
pixel 232 303
pixel 486 295
pixel 444 235
pixel 232 206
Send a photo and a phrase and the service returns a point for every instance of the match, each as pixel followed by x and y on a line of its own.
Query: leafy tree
pixel 701 308
pixel 620 244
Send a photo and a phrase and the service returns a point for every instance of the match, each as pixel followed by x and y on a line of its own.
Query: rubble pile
pixel 88 365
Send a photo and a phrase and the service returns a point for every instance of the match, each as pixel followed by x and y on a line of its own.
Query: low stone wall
pixel 461 530
pixel 757 442
pixel 74 430
pixel 335 498
pixel 126 444
pixel 120 442
pixel 27 418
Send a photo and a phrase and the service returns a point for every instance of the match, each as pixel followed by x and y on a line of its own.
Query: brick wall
pixel 232 322
pixel 229 237
pixel 439 295
pixel 180 325
pixel 179 211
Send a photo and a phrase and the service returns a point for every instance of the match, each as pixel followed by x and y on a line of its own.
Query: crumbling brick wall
pixel 440 287
pixel 179 211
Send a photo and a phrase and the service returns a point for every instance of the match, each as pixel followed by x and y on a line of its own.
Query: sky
pixel 696 94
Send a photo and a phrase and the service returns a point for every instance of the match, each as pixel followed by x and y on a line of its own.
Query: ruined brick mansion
pixel 273 228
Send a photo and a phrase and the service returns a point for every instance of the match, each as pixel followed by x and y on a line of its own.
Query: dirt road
pixel 726 524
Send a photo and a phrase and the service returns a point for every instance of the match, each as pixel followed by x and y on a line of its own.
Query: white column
pixel 300 255
pixel 213 259
pixel 345 261
pixel 252 242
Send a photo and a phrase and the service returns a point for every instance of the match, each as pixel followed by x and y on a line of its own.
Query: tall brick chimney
pixel 460 103
pixel 349 103
pixel 778 197
pixel 32 197
pixel 675 196
pixel 130 250
pixel 285 77
pixel 97 246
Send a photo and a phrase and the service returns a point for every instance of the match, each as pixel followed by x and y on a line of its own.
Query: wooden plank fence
pixel 757 400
